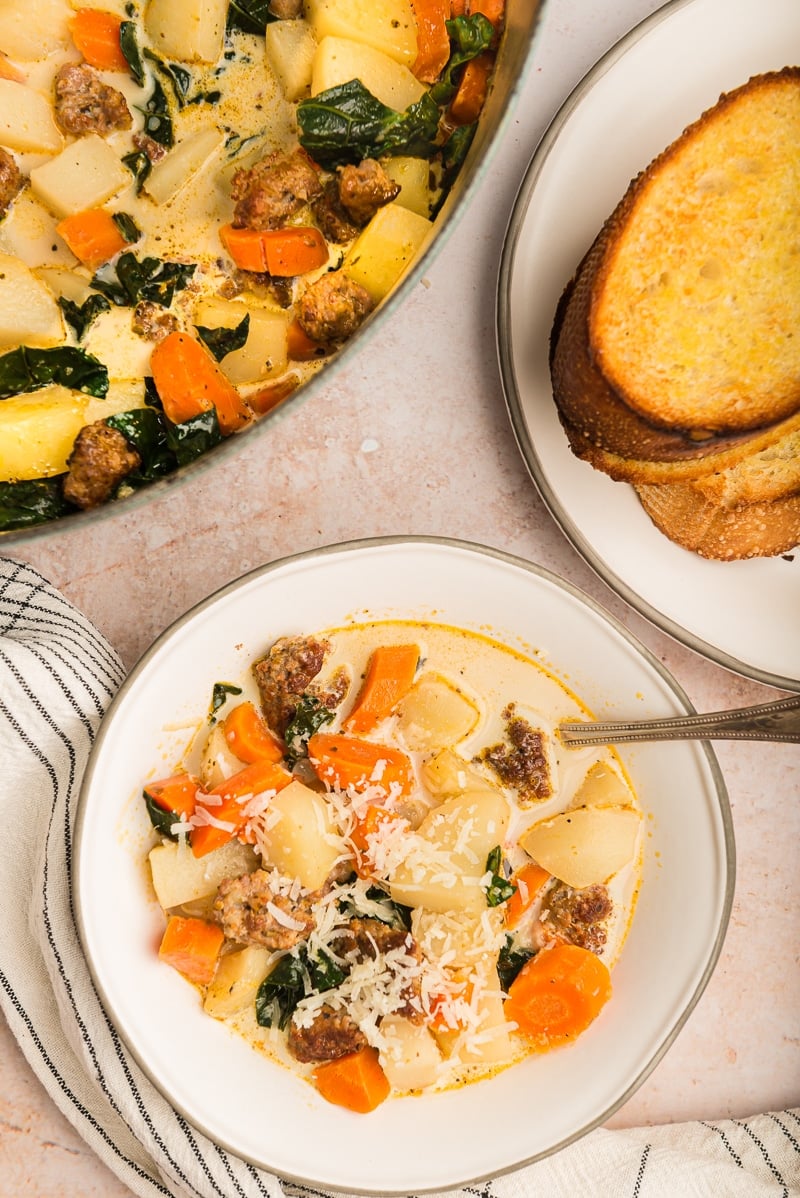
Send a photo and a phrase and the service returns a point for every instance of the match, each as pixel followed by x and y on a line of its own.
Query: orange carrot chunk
pixel 189 382
pixel 248 736
pixel 557 995
pixel 96 37
pixel 272 394
pixel 178 793
pixel 300 347
pixel 344 761
pixel 9 71
pixel 433 40
pixel 282 252
pixel 92 235
pixel 529 881
pixel 473 86
pixel 235 791
pixel 389 677
pixel 355 1081
pixel 192 946
pixel 368 823
pixel 493 10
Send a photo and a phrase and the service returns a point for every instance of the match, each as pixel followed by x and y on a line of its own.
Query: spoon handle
pixel 779 720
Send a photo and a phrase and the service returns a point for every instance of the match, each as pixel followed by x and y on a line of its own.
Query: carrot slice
pixel 281 252
pixel 92 235
pixel 390 674
pixel 9 71
pixel 272 394
pixel 234 791
pixel 433 40
pixel 473 86
pixel 355 1081
pixel 369 822
pixel 300 347
pixel 344 761
pixel 529 881
pixel 249 737
pixel 192 947
pixel 96 37
pixel 189 382
pixel 178 793
pixel 493 10
pixel 557 995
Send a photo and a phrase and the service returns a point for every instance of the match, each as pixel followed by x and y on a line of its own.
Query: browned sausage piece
pixel 250 913
pixel 267 194
pixel 521 762
pixel 331 217
pixel 152 148
pixel 286 10
pixel 10 181
pixel 332 1034
pixel 365 188
pixel 577 916
pixel 84 104
pixel 101 458
pixel 152 321
pixel 333 307
pixel 285 674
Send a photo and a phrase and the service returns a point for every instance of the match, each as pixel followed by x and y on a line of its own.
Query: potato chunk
pixel 26 119
pixel 304 842
pixel 84 175
pixel 380 254
pixel 188 30
pixel 169 176
pixel 290 47
pixel 37 432
pixel 449 774
pixel 435 713
pixel 179 877
pixel 413 176
pixel 388 25
pixel 30 31
pixel 237 980
pixel 111 339
pixel 265 351
pixel 29 231
pixel 602 787
pixel 411 1057
pixel 28 309
pixel 337 60
pixel 584 845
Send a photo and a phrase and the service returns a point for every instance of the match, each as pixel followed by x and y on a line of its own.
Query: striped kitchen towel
pixel 57 676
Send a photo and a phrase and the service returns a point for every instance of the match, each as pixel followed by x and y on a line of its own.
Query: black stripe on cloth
pixel 201 1160
pixel 251 1169
pixel 89 1043
pixel 767 1159
pixel 637 1189
pixel 792 1140
pixel 67 1092
pixel 725 1141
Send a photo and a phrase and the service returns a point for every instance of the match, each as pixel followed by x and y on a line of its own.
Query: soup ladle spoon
pixel 779 720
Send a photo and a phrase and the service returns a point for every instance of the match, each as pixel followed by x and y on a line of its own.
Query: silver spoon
pixel 766 721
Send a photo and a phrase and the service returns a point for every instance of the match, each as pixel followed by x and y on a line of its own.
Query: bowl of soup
pixel 204 208
pixel 366 887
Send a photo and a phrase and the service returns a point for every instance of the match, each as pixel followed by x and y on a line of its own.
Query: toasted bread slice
pixel 713 530
pixel 695 306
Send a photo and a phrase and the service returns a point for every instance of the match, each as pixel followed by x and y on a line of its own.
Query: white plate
pixel 260 1110
pixel 631 105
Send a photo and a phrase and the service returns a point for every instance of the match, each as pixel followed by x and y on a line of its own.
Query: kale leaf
pixel 283 988
pixel 27 369
pixel 310 715
pixel 510 961
pixel 249 16
pixel 469 37
pixel 162 445
pixel 157 119
pixel 178 78
pixel 148 279
pixel 80 316
pixel 131 52
pixel 35 501
pixel 225 340
pixel 194 437
pixel 499 890
pixel 161 819
pixel 347 123
pixel 140 166
pixel 127 226
pixel 219 694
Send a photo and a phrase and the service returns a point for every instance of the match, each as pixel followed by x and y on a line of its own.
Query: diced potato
pixel 123 396
pixel 111 339
pixel 491 1042
pixel 444 869
pixel 413 175
pixel 586 845
pixel 84 175
pixel 449 774
pixel 37 432
pixel 217 762
pixel 180 166
pixel 264 353
pixel 290 46
pixel 33 30
pixel 237 980
pixel 337 60
pixel 304 842
pixel 602 787
pixel 383 250
pixel 179 877
pixel 411 1058
pixel 187 30
pixel 29 312
pixel 464 939
pixel 69 283
pixel 388 25
pixel 26 119
pixel 435 713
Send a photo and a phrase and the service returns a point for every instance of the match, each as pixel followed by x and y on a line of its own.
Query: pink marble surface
pixel 413 438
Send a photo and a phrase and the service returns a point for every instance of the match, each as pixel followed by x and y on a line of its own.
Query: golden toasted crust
pixel 713 530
